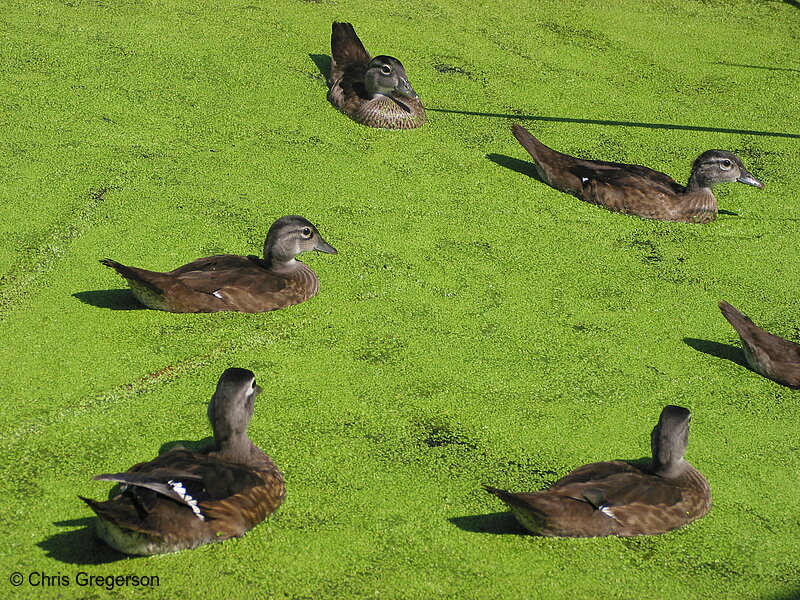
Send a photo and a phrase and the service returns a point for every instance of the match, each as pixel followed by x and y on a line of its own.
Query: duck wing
pixel 349 65
pixel 232 278
pixel 219 262
pixel 346 47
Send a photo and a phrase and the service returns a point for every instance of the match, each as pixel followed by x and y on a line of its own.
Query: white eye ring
pixel 306 233
pixel 725 165
pixel 386 70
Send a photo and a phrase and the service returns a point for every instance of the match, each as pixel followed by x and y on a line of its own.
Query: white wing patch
pixel 178 488
pixel 584 179
pixel 218 295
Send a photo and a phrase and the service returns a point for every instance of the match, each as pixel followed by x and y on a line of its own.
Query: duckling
pixel 371 91
pixel 239 283
pixel 621 498
pixel 767 354
pixel 184 499
pixel 636 190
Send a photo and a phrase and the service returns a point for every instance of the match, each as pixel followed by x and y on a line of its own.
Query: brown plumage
pixel 767 354
pixel 621 498
pixel 238 283
pixel 371 91
pixel 184 499
pixel 636 190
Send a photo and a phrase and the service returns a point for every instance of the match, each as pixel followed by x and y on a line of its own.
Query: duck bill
pixel 325 247
pixel 745 177
pixel 404 88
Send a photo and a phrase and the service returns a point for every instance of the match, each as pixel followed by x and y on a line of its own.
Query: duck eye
pixel 386 70
pixel 306 232
pixel 726 164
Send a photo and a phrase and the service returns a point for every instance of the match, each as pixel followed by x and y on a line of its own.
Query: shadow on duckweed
pixel 119 299
pixel 79 546
pixel 499 523
pixel 515 164
pixel 191 445
pixel 324 63
pixel 521 117
pixel 726 351
pixel 730 64
pixel 791 594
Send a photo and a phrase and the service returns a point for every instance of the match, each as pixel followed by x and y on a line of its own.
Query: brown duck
pixel 636 190
pixel 767 354
pixel 240 283
pixel 184 499
pixel 621 498
pixel 371 91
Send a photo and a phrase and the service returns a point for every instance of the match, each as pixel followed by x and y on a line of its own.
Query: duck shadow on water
pixel 120 299
pixel 672 126
pixel 726 351
pixel 498 523
pixel 79 546
pixel 324 64
pixel 515 164
pixel 191 445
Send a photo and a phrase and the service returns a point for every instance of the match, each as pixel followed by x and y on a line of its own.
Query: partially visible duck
pixel 371 91
pixel 636 190
pixel 239 283
pixel 767 354
pixel 621 498
pixel 184 499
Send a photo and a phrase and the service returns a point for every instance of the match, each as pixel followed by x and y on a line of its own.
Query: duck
pixel 637 190
pixel 621 498
pixel 767 354
pixel 237 283
pixel 183 499
pixel 371 91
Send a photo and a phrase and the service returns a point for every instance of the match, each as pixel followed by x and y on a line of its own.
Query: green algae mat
pixel 477 327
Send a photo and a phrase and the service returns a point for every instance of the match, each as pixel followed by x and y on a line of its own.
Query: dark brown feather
pixel 348 93
pixel 229 282
pixel 227 488
pixel 767 354
pixel 615 498
pixel 629 189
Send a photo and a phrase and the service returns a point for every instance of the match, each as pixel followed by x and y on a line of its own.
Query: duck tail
pixel 346 48
pixel 121 514
pixel 132 274
pixel 738 320
pixel 507 497
pixel 525 137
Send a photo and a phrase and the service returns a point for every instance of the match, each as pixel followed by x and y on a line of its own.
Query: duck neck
pixel 669 469
pixel 236 448
pixel 278 258
pixel 698 182
pixel 668 451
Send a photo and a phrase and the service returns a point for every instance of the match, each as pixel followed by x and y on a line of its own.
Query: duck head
pixel 288 237
pixel 669 440
pixel 719 166
pixel 385 74
pixel 231 406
